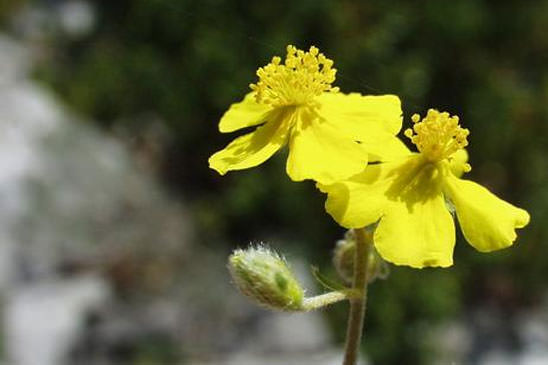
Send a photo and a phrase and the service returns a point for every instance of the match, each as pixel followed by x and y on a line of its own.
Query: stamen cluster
pixel 438 135
pixel 302 76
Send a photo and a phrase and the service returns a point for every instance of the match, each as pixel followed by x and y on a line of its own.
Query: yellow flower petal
pixel 246 113
pixel 254 148
pixel 361 200
pixel 390 149
pixel 458 162
pixel 366 118
pixel 417 231
pixel 488 223
pixel 372 120
pixel 319 151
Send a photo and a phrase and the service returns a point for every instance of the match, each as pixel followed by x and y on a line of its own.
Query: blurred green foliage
pixel 187 61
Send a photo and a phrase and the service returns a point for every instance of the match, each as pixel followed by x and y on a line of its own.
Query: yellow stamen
pixel 438 135
pixel 303 76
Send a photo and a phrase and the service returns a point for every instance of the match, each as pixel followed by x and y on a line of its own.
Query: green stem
pixel 358 304
pixel 320 301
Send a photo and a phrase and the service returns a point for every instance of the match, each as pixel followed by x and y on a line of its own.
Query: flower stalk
pixel 326 299
pixel 358 305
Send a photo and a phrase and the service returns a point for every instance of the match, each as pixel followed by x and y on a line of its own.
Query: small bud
pixel 265 277
pixel 343 259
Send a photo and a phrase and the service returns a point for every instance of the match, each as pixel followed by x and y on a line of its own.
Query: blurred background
pixel 114 232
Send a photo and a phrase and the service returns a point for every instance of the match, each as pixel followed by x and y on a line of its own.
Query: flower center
pixel 438 135
pixel 302 76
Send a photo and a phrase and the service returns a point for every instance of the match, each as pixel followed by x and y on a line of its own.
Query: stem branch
pixel 320 301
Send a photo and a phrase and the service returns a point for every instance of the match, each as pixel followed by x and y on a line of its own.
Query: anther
pixel 296 81
pixel 438 135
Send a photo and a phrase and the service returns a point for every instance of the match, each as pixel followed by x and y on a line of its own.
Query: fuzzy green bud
pixel 265 277
pixel 343 259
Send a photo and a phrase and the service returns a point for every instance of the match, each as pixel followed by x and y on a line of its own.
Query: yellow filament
pixel 438 135
pixel 302 76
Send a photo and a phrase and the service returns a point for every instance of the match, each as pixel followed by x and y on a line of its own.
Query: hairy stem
pixel 358 304
pixel 323 300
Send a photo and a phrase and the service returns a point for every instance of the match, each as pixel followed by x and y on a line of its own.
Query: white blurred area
pixel 43 310
pixel 96 258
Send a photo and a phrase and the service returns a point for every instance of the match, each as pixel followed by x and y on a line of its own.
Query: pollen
pixel 438 135
pixel 296 81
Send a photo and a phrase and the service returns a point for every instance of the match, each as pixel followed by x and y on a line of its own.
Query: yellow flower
pixel 411 199
pixel 330 134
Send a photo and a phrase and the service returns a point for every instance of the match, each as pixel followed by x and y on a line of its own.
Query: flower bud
pixel 343 259
pixel 265 277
